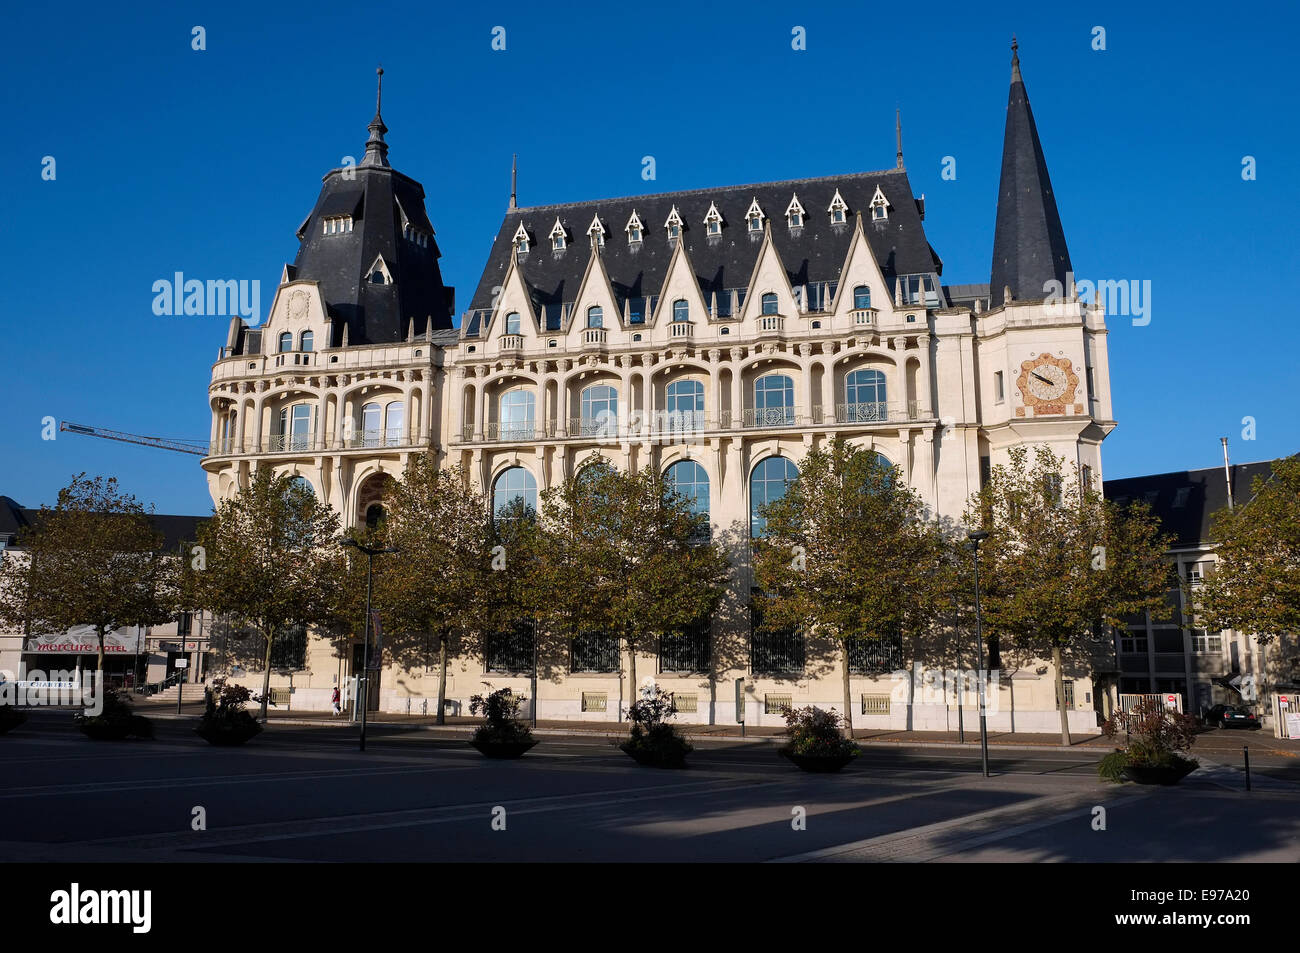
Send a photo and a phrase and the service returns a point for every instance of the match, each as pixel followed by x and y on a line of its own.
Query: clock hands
pixel 1043 379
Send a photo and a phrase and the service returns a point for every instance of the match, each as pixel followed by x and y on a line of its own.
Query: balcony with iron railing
pixel 312 443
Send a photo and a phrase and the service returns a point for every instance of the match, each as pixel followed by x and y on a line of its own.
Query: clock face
pixel 1046 382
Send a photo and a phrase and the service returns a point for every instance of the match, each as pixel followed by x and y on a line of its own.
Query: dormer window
pixel 305 341
pixel 512 323
pixel 634 228
pixel 674 225
pixel 879 206
pixel 838 209
pixel 769 303
pixel 681 310
pixel 336 224
pixel 286 342
pixel 521 239
pixel 413 234
pixel 794 213
pixel 596 232
pixel 713 220
pixel 558 242
pixel 861 297
pixel 595 317
pixel 754 216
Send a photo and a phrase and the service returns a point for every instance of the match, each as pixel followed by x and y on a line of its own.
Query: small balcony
pixel 682 329
pixel 771 324
pixel 511 342
pixel 863 317
pixel 295 359
pixel 594 337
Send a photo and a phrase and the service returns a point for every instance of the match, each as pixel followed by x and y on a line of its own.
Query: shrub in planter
pixel 815 739
pixel 226 720
pixel 1155 736
pixel 502 734
pixel 116 721
pixel 10 718
pixel 654 740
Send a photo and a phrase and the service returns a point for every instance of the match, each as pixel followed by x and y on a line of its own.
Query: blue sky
pixel 170 159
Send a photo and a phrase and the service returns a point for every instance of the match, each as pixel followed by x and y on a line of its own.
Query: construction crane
pixel 161 443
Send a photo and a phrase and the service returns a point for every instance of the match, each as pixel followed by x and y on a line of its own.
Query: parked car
pixel 1229 716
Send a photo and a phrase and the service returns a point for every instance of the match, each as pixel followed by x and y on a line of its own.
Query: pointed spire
pixel 1029 249
pixel 376 148
pixel 898 132
pixel 514 181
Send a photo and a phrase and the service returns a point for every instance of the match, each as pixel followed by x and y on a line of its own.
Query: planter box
pixel 655 759
pixel 1154 774
pixel 819 764
pixel 503 749
pixel 226 735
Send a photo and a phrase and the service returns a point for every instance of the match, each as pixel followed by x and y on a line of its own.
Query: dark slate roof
pixel 816 253
pixel 174 529
pixel 1185 501
pixel 1029 242
pixel 380 200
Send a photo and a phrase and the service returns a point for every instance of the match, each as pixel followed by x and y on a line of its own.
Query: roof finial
pixel 898 132
pixel 1015 60
pixel 514 181
pixel 376 148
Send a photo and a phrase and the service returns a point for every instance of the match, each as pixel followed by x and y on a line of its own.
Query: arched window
pixel 512 487
pixel 299 483
pixel 305 342
pixel 394 417
pixel 681 310
pixel 370 423
pixel 295 428
pixel 864 395
pixel 690 482
pixel 375 515
pixel 769 303
pixel 286 342
pixel 595 317
pixel 767 484
pixel 685 400
pixel 599 411
pixel 512 322
pixel 773 401
pixel 861 297
pixel 517 415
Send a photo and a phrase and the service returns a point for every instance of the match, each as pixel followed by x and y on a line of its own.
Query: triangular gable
pixel 769 274
pixel 595 289
pixel 680 281
pixel 515 289
pixel 861 267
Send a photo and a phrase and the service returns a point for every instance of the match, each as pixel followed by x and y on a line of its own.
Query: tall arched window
pixel 685 408
pixel 681 310
pixel 861 297
pixel 512 322
pixel 767 484
pixel 299 483
pixel 517 415
pixel 595 317
pixel 773 401
pixel 599 411
pixel 286 342
pixel 865 397
pixel 394 417
pixel 512 487
pixel 769 303
pixel 371 415
pixel 295 427
pixel 690 481
pixel 306 340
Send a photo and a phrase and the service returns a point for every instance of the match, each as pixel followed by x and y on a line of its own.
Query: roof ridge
pixel 709 189
pixel 1212 469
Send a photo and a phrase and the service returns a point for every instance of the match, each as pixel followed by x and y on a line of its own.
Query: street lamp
pixel 976 537
pixel 363 680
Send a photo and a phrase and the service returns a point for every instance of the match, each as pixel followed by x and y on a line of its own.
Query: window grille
pixel 595 701
pixel 776 704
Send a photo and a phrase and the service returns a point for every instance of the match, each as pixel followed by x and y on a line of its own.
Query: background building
pixel 716 335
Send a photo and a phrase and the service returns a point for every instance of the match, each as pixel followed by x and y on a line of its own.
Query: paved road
pixel 308 794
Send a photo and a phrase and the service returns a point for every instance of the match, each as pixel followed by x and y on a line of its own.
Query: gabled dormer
pixel 378 273
pixel 862 294
pixel 681 308
pixel 595 316
pixel 879 206
pixel 674 225
pixel 794 213
pixel 713 221
pixel 771 299
pixel 559 240
pixel 754 218
pixel 596 231
pixel 635 230
pixel 838 210
pixel 521 240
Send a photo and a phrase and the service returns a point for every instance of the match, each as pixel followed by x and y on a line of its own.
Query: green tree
pixel 93 559
pixel 1061 563
pixel 430 589
pixel 624 554
pixel 1255 586
pixel 268 560
pixel 848 554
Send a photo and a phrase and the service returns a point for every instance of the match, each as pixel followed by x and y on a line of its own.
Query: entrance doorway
pixel 372 692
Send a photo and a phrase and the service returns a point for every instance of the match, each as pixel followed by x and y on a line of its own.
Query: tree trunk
pixel 442 679
pixel 848 693
pixel 99 662
pixel 1060 696
pixel 266 677
pixel 634 689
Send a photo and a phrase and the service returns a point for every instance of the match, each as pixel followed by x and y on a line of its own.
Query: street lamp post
pixel 363 680
pixel 976 537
